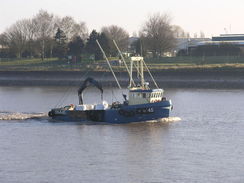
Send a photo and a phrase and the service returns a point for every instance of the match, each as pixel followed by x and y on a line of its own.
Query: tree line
pixel 46 35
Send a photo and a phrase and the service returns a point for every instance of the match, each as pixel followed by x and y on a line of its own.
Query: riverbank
pixel 184 78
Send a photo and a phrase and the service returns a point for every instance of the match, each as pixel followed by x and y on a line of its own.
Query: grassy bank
pixel 170 63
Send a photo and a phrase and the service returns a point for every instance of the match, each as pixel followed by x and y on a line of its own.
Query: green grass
pixel 38 64
pixel 197 60
pixel 26 62
pixel 54 64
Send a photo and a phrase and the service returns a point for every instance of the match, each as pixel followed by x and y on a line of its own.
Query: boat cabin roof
pixel 146 91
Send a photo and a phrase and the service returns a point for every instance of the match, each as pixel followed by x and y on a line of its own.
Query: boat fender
pixel 50 114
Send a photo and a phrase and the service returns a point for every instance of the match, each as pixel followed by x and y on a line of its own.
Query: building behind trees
pixel 223 45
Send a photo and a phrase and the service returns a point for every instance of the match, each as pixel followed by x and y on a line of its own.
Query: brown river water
pixel 206 145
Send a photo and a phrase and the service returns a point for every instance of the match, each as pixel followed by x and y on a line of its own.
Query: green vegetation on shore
pixel 169 63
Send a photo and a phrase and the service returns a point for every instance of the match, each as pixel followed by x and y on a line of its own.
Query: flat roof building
pixel 229 37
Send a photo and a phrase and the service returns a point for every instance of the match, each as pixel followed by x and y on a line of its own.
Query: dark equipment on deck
pixel 87 83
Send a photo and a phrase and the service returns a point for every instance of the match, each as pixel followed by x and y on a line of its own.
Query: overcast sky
pixel 213 17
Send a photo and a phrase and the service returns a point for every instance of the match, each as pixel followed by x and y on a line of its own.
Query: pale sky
pixel 213 17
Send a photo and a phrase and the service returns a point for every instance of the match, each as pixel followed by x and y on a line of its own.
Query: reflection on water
pixel 207 145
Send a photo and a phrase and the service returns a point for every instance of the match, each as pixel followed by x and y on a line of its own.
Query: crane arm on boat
pixel 85 84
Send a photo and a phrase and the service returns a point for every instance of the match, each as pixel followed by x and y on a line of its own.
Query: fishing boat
pixel 142 104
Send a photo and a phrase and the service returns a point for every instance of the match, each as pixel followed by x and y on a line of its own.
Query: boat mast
pixel 150 74
pixel 104 55
pixel 140 70
pixel 142 73
pixel 131 79
pixel 141 63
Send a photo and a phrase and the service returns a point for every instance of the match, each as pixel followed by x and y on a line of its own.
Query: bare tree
pixel 80 30
pixel 178 32
pixel 121 36
pixel 66 25
pixel 4 43
pixel 157 34
pixel 195 35
pixel 29 31
pixel 44 29
pixel 202 34
pixel 73 29
pixel 15 38
pixel 188 35
pixel 3 39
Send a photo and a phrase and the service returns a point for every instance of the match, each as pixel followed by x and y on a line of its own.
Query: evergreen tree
pixel 105 43
pixel 61 46
pixel 91 45
pixel 76 46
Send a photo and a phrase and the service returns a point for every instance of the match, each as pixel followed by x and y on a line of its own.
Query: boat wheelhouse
pixel 139 96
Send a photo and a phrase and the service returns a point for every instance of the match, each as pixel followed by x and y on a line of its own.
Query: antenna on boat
pixel 124 62
pixel 104 55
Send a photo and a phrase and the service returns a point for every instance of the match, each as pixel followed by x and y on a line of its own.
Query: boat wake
pixel 21 116
pixel 166 120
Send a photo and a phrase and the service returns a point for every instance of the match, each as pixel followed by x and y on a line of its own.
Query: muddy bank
pixel 166 79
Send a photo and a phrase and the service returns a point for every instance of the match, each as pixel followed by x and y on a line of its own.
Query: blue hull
pixel 122 114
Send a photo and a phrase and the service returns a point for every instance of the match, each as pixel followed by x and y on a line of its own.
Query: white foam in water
pixel 166 120
pixel 21 116
pixel 170 119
